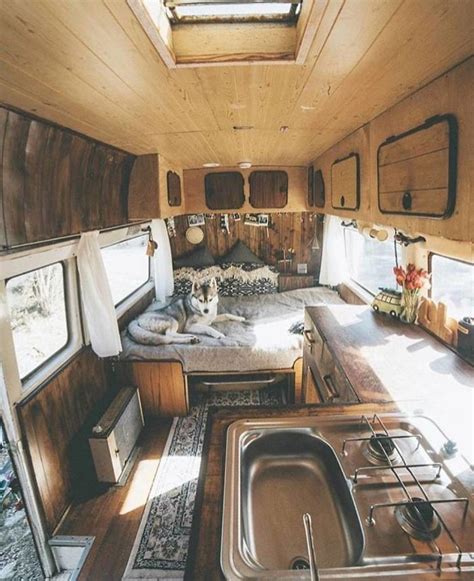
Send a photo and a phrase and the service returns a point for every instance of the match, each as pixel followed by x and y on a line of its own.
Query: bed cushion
pixel 240 253
pixel 234 279
pixel 197 258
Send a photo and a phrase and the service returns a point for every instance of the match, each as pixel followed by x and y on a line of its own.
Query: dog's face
pixel 204 296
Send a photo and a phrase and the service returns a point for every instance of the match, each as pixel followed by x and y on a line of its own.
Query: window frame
pixel 126 302
pixel 31 374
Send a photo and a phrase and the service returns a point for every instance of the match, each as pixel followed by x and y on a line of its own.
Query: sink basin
pixel 274 476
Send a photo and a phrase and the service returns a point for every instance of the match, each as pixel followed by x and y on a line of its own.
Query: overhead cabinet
pixel 417 170
pixel 345 183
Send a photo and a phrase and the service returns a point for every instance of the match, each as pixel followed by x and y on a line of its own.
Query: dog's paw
pixel 240 319
pixel 194 340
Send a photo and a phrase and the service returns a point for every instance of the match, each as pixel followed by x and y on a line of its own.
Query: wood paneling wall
pixel 287 230
pixel 56 421
pixel 56 183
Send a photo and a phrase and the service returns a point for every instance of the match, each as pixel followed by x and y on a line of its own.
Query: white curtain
pixel 162 261
pixel 99 309
pixel 334 268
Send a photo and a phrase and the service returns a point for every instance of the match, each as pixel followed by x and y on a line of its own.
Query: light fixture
pixel 244 164
pixel 211 164
pixel 242 127
pixel 284 128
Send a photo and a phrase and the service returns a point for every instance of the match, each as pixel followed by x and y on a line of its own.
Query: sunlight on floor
pixel 179 471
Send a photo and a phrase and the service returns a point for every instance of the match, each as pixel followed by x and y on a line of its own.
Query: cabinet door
pixel 268 189
pixel 224 190
pixel 345 183
pixel 417 170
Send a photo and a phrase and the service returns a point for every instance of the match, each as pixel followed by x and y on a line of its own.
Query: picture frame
pixel 196 220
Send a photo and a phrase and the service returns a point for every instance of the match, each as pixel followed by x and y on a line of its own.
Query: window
pixel 127 266
pixel 452 282
pixel 370 262
pixel 37 306
pixel 184 11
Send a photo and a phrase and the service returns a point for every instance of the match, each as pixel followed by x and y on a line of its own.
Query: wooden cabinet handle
pixel 333 393
pixel 309 338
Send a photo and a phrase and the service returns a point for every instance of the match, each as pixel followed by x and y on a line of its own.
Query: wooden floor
pixel 112 516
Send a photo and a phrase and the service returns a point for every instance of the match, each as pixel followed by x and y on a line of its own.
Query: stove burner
pixel 379 447
pixel 418 519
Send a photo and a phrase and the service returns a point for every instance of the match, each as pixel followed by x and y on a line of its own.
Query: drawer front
pixel 330 381
pixel 417 170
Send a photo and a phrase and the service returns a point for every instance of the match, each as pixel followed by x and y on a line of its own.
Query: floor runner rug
pixel 161 546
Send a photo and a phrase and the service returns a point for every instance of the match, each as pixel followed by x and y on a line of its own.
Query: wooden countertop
pixel 204 553
pixel 383 356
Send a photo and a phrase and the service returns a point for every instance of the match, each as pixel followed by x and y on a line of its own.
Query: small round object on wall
pixel 194 235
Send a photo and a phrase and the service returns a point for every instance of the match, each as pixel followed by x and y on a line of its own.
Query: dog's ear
pixel 196 286
pixel 213 283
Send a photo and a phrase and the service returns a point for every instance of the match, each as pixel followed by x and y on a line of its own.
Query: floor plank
pixel 113 516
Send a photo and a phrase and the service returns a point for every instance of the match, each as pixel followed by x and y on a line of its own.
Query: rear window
pixel 38 317
pixel 127 266
pixel 452 283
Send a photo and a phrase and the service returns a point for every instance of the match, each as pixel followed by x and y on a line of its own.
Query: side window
pixel 452 283
pixel 370 262
pixel 127 266
pixel 38 315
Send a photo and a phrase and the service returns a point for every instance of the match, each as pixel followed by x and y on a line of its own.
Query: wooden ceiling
pixel 88 65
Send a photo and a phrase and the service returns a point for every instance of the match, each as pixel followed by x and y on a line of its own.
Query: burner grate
pixel 417 516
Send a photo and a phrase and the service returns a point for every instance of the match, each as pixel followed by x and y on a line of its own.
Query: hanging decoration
pixel 236 217
pixel 171 227
pixel 151 245
pixel 196 220
pixel 224 223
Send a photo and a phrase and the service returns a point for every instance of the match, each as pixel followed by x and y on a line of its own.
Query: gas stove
pixel 411 489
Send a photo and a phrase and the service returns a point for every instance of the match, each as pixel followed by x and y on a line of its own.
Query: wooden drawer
pixel 288 282
pixel 417 170
pixel 345 183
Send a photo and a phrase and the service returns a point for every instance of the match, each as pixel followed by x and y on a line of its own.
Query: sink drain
pixel 299 563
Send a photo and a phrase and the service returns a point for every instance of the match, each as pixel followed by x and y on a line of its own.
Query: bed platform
pixel 263 346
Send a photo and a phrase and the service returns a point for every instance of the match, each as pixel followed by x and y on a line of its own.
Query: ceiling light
pixel 244 164
pixel 242 127
pixel 284 128
pixel 211 164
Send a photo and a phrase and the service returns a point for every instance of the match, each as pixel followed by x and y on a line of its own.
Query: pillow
pixel 199 257
pixel 242 254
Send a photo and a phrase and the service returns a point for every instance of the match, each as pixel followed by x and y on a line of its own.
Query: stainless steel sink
pixel 286 473
pixel 277 470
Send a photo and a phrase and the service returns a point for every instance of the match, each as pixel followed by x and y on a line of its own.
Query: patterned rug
pixel 161 547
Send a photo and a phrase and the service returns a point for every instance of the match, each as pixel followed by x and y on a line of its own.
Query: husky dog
pixel 180 320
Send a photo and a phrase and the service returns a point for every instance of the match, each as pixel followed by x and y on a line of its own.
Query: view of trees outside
pixel 37 306
pixel 127 266
pixel 370 262
pixel 452 282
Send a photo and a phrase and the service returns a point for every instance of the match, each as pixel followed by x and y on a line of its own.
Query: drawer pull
pixel 309 337
pixel 333 393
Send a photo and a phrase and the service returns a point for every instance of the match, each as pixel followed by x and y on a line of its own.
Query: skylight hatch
pixel 202 11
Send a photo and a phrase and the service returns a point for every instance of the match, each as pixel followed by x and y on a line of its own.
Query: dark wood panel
pixel 13 177
pixel 56 183
pixel 3 127
pixel 224 190
pixel 287 230
pixel 173 184
pixel 55 423
pixel 319 196
pixel 268 189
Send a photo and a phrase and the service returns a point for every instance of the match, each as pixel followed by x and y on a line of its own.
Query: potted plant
pixel 412 280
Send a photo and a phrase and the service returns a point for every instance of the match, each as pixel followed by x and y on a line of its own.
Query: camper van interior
pixel 236 290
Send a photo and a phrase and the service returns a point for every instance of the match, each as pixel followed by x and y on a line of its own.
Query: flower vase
pixel 410 300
